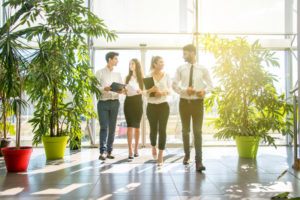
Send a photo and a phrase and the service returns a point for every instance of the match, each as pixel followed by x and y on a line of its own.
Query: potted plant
pixel 14 69
pixel 62 83
pixel 247 103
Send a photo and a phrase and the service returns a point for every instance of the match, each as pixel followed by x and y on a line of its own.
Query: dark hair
pixel 189 48
pixel 138 71
pixel 110 55
pixel 154 61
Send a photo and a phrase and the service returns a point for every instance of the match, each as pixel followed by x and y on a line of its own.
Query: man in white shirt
pixel 108 105
pixel 192 82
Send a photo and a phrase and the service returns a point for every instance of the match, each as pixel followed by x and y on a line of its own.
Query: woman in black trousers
pixel 158 109
pixel 133 105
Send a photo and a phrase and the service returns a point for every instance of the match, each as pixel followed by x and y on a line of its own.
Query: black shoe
pixel 110 156
pixel 102 156
pixel 186 160
pixel 130 157
pixel 199 166
pixel 136 155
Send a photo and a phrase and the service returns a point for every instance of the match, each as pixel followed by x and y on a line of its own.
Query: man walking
pixel 192 82
pixel 108 105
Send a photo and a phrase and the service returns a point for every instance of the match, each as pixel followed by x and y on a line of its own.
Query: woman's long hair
pixel 154 60
pixel 138 71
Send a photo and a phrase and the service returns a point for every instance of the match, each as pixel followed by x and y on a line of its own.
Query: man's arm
pixel 176 85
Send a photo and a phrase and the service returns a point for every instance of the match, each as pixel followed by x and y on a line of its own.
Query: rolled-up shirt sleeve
pixel 98 76
pixel 176 85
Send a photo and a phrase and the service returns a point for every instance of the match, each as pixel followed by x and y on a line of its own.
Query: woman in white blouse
pixel 158 108
pixel 133 105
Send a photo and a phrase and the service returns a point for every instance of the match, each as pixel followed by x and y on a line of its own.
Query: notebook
pixel 115 87
pixel 149 83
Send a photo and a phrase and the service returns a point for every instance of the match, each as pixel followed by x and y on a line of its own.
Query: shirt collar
pixel 106 68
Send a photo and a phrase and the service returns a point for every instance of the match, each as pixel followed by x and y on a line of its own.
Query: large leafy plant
pixel 246 100
pixel 61 83
pixel 14 68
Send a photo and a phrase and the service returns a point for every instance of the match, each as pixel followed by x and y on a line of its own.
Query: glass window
pixel 241 16
pixel 145 15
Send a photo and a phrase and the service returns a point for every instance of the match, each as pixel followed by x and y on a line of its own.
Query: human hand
pixel 153 89
pixel 139 91
pixel 158 94
pixel 107 89
pixel 121 91
pixel 190 91
pixel 200 93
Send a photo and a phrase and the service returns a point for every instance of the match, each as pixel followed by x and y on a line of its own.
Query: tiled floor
pixel 80 175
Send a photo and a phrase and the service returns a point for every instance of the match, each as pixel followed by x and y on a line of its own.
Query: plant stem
pixel 19 109
pixel 4 114
pixel 245 110
pixel 52 114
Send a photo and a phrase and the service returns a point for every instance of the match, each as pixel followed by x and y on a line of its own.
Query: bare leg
pixel 129 140
pixel 154 154
pixel 137 139
pixel 160 157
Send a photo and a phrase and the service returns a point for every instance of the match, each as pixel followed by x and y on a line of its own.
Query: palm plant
pixel 13 70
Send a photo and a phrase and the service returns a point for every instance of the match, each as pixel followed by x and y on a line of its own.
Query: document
pixel 115 87
pixel 149 83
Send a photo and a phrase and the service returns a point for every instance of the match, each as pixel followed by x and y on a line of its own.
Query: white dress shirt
pixel 164 84
pixel 132 87
pixel 201 80
pixel 106 78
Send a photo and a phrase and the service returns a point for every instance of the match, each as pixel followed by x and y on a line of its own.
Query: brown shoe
pixel 199 166
pixel 102 156
pixel 186 160
pixel 110 156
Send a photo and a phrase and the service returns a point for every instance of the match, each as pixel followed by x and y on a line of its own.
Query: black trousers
pixel 158 115
pixel 192 109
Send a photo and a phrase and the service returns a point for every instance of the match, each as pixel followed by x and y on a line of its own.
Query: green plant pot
pixel 55 146
pixel 247 146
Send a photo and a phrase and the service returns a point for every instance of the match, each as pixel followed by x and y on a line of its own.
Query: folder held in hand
pixel 149 83
pixel 115 87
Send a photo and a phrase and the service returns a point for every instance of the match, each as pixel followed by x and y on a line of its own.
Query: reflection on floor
pixel 80 175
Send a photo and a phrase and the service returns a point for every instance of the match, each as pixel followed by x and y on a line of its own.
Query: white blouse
pixel 164 84
pixel 132 87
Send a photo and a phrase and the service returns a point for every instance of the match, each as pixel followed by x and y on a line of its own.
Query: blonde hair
pixel 154 60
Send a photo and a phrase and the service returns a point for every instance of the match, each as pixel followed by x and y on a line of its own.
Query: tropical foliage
pixel 57 74
pixel 246 100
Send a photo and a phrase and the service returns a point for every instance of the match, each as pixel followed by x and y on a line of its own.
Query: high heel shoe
pixel 160 164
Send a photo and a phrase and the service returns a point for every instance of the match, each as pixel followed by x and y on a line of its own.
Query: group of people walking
pixel 191 82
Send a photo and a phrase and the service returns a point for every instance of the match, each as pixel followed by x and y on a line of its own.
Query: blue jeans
pixel 107 113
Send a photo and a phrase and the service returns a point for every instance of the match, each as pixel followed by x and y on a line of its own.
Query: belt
pixel 190 100
pixel 110 100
